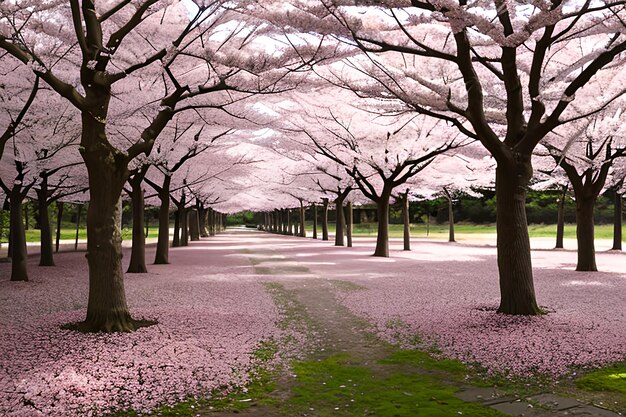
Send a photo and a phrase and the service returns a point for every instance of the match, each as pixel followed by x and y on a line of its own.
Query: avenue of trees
pixel 291 109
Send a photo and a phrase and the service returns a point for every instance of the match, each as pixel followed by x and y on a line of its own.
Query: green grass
pixel 337 387
pixel 604 231
pixel 611 379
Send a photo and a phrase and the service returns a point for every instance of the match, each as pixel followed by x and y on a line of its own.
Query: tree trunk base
pixel 124 324
pixel 137 269
pixel 511 308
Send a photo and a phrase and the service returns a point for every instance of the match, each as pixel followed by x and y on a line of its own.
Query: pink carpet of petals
pixel 211 314
pixel 447 294
pixel 450 304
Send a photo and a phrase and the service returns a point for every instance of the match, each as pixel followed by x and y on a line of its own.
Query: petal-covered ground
pixel 211 314
pixel 213 311
pixel 446 295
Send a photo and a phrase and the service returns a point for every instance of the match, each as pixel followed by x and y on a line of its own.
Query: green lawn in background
pixel 436 231
pixel 604 231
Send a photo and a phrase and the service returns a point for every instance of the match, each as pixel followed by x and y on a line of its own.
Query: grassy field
pixel 604 231
pixel 439 231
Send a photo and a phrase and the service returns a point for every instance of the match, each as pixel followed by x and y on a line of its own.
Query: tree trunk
pixel 325 219
pixel 289 223
pixel 138 252
pixel 517 292
pixel 302 221
pixel 617 222
pixel 176 239
pixel 314 221
pixel 585 233
pixel 382 238
pixel 194 225
pixel 26 216
pixel 45 257
pixel 19 254
pixel 349 221
pixel 202 220
pixel 184 228
pixel 59 218
pixel 405 218
pixel 339 222
pixel 78 215
pixel 163 241
pixel 107 309
pixel 450 217
pixel 560 220
pixel 210 221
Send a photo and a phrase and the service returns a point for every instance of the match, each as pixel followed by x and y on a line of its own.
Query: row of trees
pixel 383 98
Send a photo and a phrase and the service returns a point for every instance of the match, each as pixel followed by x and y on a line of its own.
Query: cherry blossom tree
pixel 586 153
pixel 380 158
pixel 502 72
pixel 184 52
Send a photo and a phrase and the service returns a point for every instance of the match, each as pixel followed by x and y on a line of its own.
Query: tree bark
pixel 26 216
pixel 202 219
pixel 59 219
pixel 450 216
pixel 107 309
pixel 325 219
pixel 19 254
pixel 194 225
pixel 161 256
pixel 137 263
pixel 617 222
pixel 406 220
pixel 560 220
pixel 289 223
pixel 517 293
pixel 382 211
pixel 314 206
pixel 302 220
pixel 339 222
pixel 46 257
pixel 585 233
pixel 176 239
pixel 349 221
pixel 184 226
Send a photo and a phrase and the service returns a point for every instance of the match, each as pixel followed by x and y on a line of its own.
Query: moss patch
pixel 336 387
pixel 611 379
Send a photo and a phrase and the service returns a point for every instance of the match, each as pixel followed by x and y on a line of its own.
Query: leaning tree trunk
pixel 339 222
pixel 349 223
pixel 163 241
pixel 617 222
pixel 325 219
pixel 19 254
pixel 382 238
pixel 45 257
pixel 585 233
pixel 138 252
pixel 406 220
pixel 560 220
pixel 517 292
